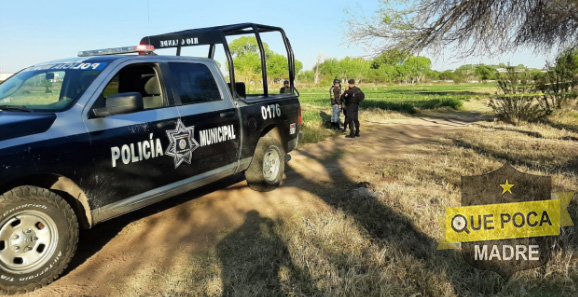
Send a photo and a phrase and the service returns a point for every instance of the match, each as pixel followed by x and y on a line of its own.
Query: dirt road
pixel 128 251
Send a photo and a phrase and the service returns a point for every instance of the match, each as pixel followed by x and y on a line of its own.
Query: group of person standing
pixel 348 102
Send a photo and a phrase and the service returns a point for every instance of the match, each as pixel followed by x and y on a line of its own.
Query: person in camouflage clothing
pixel 335 95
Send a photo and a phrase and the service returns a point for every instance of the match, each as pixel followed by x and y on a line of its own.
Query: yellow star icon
pixel 507 187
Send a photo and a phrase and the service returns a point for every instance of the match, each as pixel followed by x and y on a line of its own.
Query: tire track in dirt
pixel 138 245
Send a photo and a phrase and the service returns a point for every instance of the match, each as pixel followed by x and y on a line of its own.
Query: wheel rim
pixel 28 239
pixel 271 165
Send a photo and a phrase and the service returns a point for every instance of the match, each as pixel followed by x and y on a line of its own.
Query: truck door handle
pixel 228 114
pixel 166 124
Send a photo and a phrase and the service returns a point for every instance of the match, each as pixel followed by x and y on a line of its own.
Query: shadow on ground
pixel 572 128
pixel 93 240
pixel 392 229
pixel 253 257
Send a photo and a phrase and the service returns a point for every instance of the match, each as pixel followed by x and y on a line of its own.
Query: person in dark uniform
pixel 344 108
pixel 285 89
pixel 353 96
pixel 335 95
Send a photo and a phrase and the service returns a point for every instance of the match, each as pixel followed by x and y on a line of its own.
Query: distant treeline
pixel 400 67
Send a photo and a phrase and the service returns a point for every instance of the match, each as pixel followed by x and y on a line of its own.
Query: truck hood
pixel 18 124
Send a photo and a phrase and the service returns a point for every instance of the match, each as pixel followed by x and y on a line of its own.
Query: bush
pixel 560 82
pixel 520 100
pixel 520 108
pixel 412 106
pixel 558 90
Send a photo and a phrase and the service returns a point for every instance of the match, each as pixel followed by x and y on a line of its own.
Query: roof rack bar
pixel 212 36
pixel 263 61
pixel 231 65
pixel 212 49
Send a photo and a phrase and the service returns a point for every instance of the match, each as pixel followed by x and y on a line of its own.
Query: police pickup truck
pixel 86 139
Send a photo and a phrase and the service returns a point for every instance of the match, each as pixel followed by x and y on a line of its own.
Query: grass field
pixel 385 245
pixel 387 102
pixel 339 243
pixel 318 235
pixel 420 182
pixel 409 99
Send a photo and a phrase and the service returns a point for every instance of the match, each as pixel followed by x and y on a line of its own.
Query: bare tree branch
pixel 473 26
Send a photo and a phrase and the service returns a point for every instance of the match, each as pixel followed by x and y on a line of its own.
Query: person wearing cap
pixel 344 108
pixel 353 96
pixel 335 95
pixel 285 89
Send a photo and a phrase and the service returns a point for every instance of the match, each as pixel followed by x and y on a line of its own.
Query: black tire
pixel 266 170
pixel 38 237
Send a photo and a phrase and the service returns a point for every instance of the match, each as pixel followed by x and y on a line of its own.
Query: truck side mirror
pixel 120 103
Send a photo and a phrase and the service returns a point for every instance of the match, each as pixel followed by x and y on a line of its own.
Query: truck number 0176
pixel 271 111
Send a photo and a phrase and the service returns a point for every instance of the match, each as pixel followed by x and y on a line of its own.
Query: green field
pixel 395 100
pixel 408 99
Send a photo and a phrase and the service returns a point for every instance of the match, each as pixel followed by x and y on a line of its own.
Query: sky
pixel 38 31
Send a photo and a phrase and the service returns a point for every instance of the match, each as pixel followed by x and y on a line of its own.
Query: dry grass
pixel 385 244
pixel 316 121
pixel 421 181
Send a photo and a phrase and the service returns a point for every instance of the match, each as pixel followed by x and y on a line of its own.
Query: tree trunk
pixel 316 78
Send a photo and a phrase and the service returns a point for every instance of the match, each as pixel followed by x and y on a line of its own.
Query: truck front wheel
pixel 38 237
pixel 266 170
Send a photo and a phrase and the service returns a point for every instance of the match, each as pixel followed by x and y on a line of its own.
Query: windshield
pixel 51 87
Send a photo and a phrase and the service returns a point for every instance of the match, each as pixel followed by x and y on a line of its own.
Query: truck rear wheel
pixel 38 237
pixel 266 170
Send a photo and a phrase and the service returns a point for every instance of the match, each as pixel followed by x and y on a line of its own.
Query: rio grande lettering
pixel 175 42
pixel 135 152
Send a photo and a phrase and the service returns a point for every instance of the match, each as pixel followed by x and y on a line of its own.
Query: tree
pixel 306 76
pixel 433 75
pixel 298 66
pixel 446 75
pixel 277 67
pixel 567 65
pixel 356 68
pixel 559 81
pixel 317 62
pixel 485 72
pixel 417 67
pixel 390 57
pixel 245 52
pixel 248 67
pixel 246 45
pixel 401 73
pixel 464 73
pixel 331 68
pixel 473 26
pixel 247 60
pixel 386 73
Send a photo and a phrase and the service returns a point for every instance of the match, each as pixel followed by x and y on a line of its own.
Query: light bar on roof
pixel 141 49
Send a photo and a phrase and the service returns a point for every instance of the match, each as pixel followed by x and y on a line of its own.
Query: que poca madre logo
pixel 507 222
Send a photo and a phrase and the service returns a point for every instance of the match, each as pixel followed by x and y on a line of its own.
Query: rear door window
pixel 194 83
